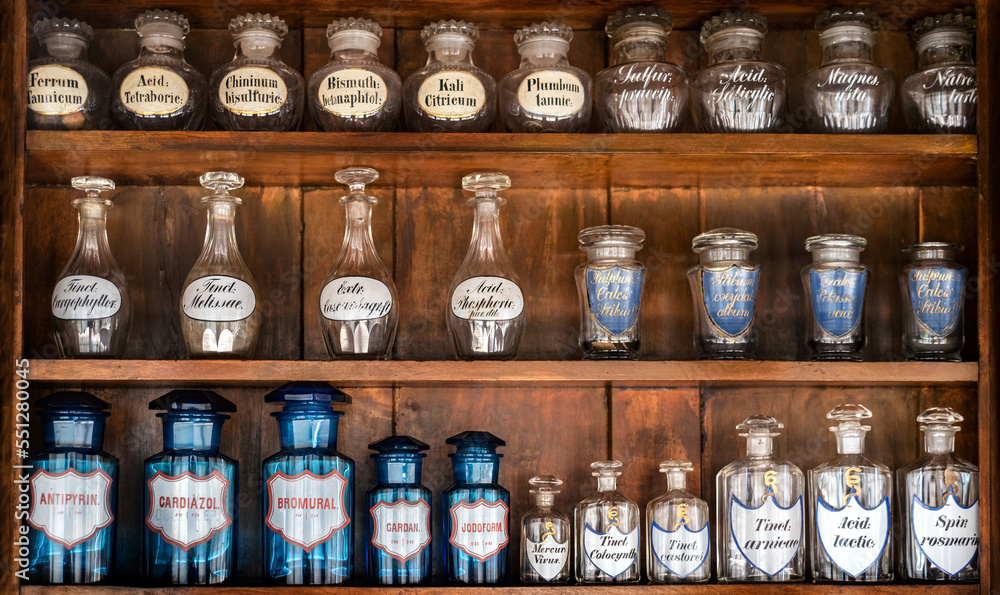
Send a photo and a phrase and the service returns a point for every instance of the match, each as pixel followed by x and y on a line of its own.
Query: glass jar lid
pixel 191 401
pixel 723 236
pixel 352 24
pixel 760 425
pixel 161 23
pixel 547 31
pixel 307 392
pixel 450 27
pixel 611 235
pixel 475 442
pixel 922 246
pixel 940 418
pixel 258 22
pixel 73 403
pixel 733 19
pixel 635 17
pixel 854 16
pixel 957 20
pixel 399 445
pixel 672 465
pixel 63 26
pixel 606 468
pixel 836 240
pixel 546 484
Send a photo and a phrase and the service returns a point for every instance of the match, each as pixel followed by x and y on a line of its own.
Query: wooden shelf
pixel 533 160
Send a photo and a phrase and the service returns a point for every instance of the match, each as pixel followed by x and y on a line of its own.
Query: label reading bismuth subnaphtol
pixel 153 92
pixel 352 92
pixel 551 93
pixel 252 91
pixel 56 90
pixel 451 94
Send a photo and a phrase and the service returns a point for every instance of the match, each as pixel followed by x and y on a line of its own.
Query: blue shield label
pixel 613 294
pixel 838 299
pixel 936 296
pixel 729 295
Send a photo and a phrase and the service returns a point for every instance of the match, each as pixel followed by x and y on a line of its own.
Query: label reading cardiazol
pixel 187 510
pixel 56 90
pixel 452 95
pixel 936 296
pixel 551 93
pixel 613 296
pixel 837 299
pixel 352 92
pixel 729 295
pixel 546 557
pixel 252 91
pixel 153 92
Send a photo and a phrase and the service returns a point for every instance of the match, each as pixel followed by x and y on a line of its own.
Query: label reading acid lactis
pixel 546 557
pixel 56 90
pixel 402 528
pixel 853 536
pixel 948 535
pixel 479 528
pixel 612 552
pixel 352 92
pixel 187 510
pixel 681 551
pixel 306 509
pixel 487 298
pixel 218 299
pixel 551 93
pixel 252 91
pixel 355 298
pixel 153 92
pixel 83 297
pixel 451 94
pixel 768 536
pixel 613 295
pixel 837 300
pixel 729 296
pixel 70 507
pixel 936 296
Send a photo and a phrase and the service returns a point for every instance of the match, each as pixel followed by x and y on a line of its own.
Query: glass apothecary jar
pixel 545 535
pixel 257 90
pixel 545 94
pixel 450 93
pixel 66 91
pixel 610 286
pixel 355 92
pixel 933 288
pixel 849 93
pixel 836 285
pixel 159 90
pixel 641 92
pixel 737 92
pixel 677 526
pixel 607 531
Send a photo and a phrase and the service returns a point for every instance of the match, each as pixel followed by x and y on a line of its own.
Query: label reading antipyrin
pixel 853 536
pixel 936 295
pixel 402 528
pixel 768 536
pixel 70 507
pixel 837 299
pixel 551 93
pixel 252 91
pixel 352 92
pixel 56 90
pixel 613 295
pixel 294 499
pixel 83 297
pixel 730 295
pixel 187 510
pixel 153 92
pixel 451 94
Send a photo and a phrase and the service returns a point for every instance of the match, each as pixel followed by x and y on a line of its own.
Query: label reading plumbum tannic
pixel 854 537
pixel 547 557
pixel 936 295
pixel 218 298
pixel 948 534
pixel 479 528
pixel 294 498
pixel 56 90
pixel 837 300
pixel 487 298
pixel 187 510
pixel 452 95
pixel 402 528
pixel 551 93
pixel 355 298
pixel 70 507
pixel 252 91
pixel 83 297
pixel 153 92
pixel 352 92
pixel 729 295
pixel 613 552
pixel 768 536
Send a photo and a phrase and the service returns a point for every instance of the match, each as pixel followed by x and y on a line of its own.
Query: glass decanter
pixel 641 92
pixel 73 463
pixel 486 315
pixel 257 90
pixel 450 93
pixel 836 284
pixel 545 93
pixel 939 504
pixel 358 309
pixel 677 525
pixel 933 288
pixel 940 97
pixel 159 90
pixel 219 315
pixel 849 93
pixel 759 511
pixel 545 535
pixel 737 92
pixel 607 533
pixel 850 507
pixel 355 92
pixel 91 305
pixel 191 494
pixel 66 91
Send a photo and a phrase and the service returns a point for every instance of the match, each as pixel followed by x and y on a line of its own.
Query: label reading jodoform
pixel 355 298
pixel 218 299
pixel 252 91
pixel 451 94
pixel 401 529
pixel 854 537
pixel 487 298
pixel 306 509
pixel 948 535
pixel 83 297
pixel 551 93
pixel 769 536
pixel 729 295
pixel 56 90
pixel 153 91
pixel 187 510
pixel 352 92
pixel 70 507
pixel 613 552
pixel 837 300
pixel 546 557
pixel 479 528
pixel 681 551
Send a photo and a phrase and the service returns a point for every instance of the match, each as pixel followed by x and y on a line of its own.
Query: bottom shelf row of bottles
pixel 762 525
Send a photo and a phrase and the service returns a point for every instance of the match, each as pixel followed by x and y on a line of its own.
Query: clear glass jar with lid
pixel 355 92
pixel 545 535
pixel 607 531
pixel 933 288
pixel 836 284
pixel 940 97
pixel 678 532
pixel 545 94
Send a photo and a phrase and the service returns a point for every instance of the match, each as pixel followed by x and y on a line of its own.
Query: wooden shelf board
pixel 536 160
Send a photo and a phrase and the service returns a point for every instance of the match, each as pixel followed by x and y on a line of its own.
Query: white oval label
pixel 306 509
pixel 487 298
pixel 153 91
pixel 83 297
pixel 56 90
pixel 352 92
pixel 187 510
pixel 551 93
pixel 355 298
pixel 70 507
pixel 218 299
pixel 546 557
pixel 401 529
pixel 252 91
pixel 451 94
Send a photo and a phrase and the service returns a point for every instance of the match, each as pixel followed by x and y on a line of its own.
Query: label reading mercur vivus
pixel 218 299
pixel 546 557
pixel 252 91
pixel 83 297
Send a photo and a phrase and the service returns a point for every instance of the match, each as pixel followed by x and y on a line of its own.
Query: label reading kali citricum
pixel 70 507
pixel 768 536
pixel 551 93
pixel 854 537
pixel 487 298
pixel 401 528
pixel 355 298
pixel 153 91
pixel 83 297
pixel 479 528
pixel 948 535
pixel 306 509
pixel 218 299
pixel 56 90
pixel 252 91
pixel 451 94
pixel 187 510
pixel 352 92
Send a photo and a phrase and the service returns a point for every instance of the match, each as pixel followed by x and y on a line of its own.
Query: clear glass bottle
pixel 849 93
pixel 724 287
pixel 486 316
pixel 399 515
pixel 257 90
pixel 450 93
pixel 641 91
pixel 940 97
pixel 607 532
pixel 190 494
pixel 545 535
pixel 939 500
pixel 759 511
pixel 355 92
pixel 737 92
pixel 358 308
pixel 850 507
pixel 836 284
pixel 933 288
pixel 73 463
pixel 219 315
pixel 91 304
pixel 159 90
pixel 476 512
pixel 610 286
pixel 545 93
pixel 308 491
pixel 66 91
pixel 677 525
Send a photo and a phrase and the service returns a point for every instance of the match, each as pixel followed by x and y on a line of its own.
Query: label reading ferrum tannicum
pixel 551 93
pixel 252 91
pixel 352 92
pixel 56 90
pixel 153 92
pixel 451 94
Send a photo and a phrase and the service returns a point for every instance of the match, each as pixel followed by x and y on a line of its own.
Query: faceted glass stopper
pixel 258 22
pixel 671 465
pixel 486 184
pixel 162 17
pixel 221 181
pixel 356 178
pixel 646 16
pixel 724 236
pixel 537 30
pixel 92 185
pixel 849 415
pixel 64 26
pixel 940 416
pixel 865 17
pixel 760 425
pixel 836 240
pixel 545 483
pixel 610 235
pixel 606 468
pixel 453 27
pixel 956 19
pixel 731 19
pixel 354 24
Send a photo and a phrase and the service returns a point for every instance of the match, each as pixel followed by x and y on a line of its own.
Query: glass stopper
pixel 486 184
pixel 545 484
pixel 956 20
pixel 155 20
pixel 92 185
pixel 606 468
pixel 353 24
pixel 836 240
pixel 221 181
pixel 63 26
pixel 450 27
pixel 733 19
pixel 940 417
pixel 760 425
pixel 863 16
pixel 671 465
pixel 258 22
pixel 610 235
pixel 543 30
pixel 849 414
pixel 356 178
pixel 724 236
pixel 638 16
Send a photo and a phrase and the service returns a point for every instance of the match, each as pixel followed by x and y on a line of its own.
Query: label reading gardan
pixel 153 92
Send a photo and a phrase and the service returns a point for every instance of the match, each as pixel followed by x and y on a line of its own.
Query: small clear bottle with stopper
pixel 677 525
pixel 836 284
pixel 545 535
pixel 358 310
pixel 933 288
pixel 607 528
pixel 850 507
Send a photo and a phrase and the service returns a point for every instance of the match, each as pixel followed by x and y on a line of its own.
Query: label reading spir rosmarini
pixel 56 90
pixel 252 91
pixel 352 92
pixel 551 93
pixel 153 92
pixel 451 94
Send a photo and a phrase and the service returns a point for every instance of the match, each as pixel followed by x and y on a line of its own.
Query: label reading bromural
pixel 70 507
pixel 355 298
pixel 56 90
pixel 153 92
pixel 479 528
pixel 187 510
pixel 546 557
pixel 768 536
pixel 306 509
pixel 936 295
pixel 487 298
pixel 451 94
pixel 681 551
pixel 352 92
pixel 83 297
pixel 551 93
pixel 402 529
pixel 644 85
pixel 837 299
pixel 745 88
pixel 613 552
pixel 252 91
pixel 218 299
pixel 854 537
pixel 948 535
pixel 729 296
pixel 613 294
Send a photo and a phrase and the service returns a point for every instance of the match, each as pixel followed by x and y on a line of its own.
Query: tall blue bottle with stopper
pixel 399 515
pixel 191 494
pixel 308 491
pixel 476 512
pixel 72 478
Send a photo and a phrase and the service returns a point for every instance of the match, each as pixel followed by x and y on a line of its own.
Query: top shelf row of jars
pixel 642 92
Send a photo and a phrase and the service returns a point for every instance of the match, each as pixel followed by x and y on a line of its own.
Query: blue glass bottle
pixel 191 493
pixel 476 512
pixel 308 491
pixel 73 478
pixel 399 515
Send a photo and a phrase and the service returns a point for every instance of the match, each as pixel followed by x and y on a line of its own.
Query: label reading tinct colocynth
pixel 613 552
pixel 546 557
pixel 218 299
pixel 153 91
pixel 853 537
pixel 837 299
pixel 252 91
pixel 487 298
pixel 306 509
pixel 187 510
pixel 948 535
pixel 70 507
pixel 83 297
pixel 936 296
pixel 479 528
pixel 451 94
pixel 56 90
pixel 355 298
pixel 614 293
pixel 352 92
pixel 729 296
pixel 551 93
pixel 402 528
pixel 769 536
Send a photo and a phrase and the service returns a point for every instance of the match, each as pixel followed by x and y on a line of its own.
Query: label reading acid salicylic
pixel 854 537
pixel 936 296
pixel 681 550
pixel 402 528
pixel 769 536
pixel 729 296
pixel 546 557
pixel 451 94
pixel 252 91
pixel 70 507
pixel 551 93
pixel 56 90
pixel 745 87
pixel 612 552
pixel 487 298
pixel 947 535
pixel 355 298
pixel 187 510
pixel 613 295
pixel 83 297
pixel 153 92
pixel 838 297
pixel 218 299
pixel 306 509
pixel 352 92
pixel 479 528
